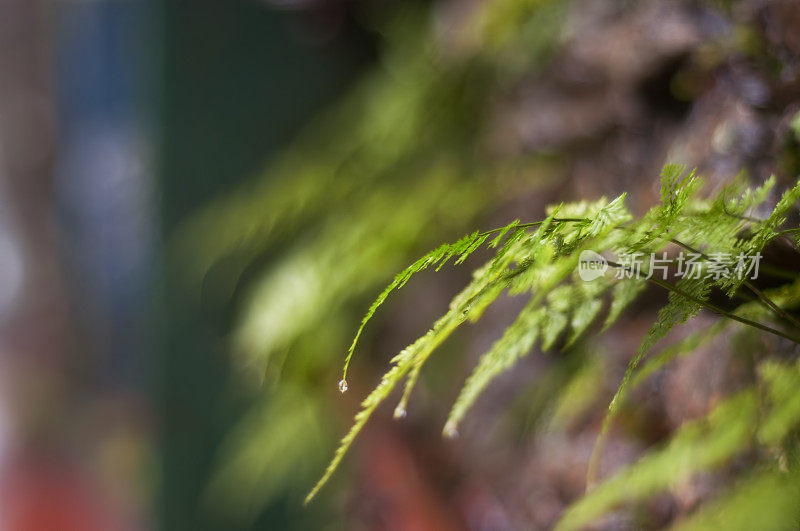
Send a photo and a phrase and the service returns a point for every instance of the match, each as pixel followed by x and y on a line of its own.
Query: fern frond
pixel 681 348
pixel 623 294
pixel 783 401
pixel 767 230
pixel 402 363
pixel 608 216
pixel 787 296
pixel 765 500
pixel 678 309
pixel 544 320
pixel 698 445
pixel 486 284
pixel 541 262
pixel 437 257
pixel 518 339
pixel 585 308
pixel 677 188
pixel 704 444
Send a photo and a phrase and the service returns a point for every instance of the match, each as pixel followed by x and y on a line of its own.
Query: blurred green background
pixel 200 199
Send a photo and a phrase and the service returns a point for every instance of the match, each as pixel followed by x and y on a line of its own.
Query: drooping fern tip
pixel 540 260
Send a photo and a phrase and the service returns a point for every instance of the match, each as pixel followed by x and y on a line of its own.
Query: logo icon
pixel 591 265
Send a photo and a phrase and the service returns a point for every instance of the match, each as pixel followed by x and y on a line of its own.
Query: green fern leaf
pixel 698 445
pixel 517 341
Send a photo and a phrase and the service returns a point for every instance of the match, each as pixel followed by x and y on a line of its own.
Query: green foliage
pixel 438 257
pixel 683 303
pixel 768 500
pixel 539 260
pixel 624 293
pixel 267 451
pixel 516 342
pixel 698 445
pixel 525 261
pixel 353 198
pixel 730 429
pixel 781 384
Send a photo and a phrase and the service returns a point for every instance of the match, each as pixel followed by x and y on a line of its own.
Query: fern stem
pixel 785 235
pixel 594 460
pixel 779 272
pixel 411 380
pixel 478 237
pixel 536 224
pixel 749 285
pixel 711 307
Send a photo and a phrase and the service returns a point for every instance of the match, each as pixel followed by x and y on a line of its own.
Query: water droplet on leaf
pixel 342 385
pixel 399 412
pixel 450 430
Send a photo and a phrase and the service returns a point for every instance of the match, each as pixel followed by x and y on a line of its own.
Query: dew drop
pixel 342 385
pixel 399 412
pixel 450 430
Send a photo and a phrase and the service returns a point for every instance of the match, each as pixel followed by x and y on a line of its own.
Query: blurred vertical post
pixel 34 329
pixel 241 79
pixel 57 437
